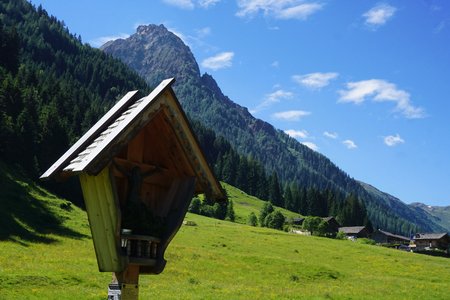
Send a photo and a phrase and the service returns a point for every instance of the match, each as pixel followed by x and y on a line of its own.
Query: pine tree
pixel 276 197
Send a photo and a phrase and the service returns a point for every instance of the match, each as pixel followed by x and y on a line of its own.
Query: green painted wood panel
pixel 103 215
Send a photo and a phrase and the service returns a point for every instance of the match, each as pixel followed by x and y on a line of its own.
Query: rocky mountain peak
pixel 155 53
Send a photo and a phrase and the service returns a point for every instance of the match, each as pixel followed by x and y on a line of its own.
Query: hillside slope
pixel 212 260
pixel 439 214
pixel 408 212
pixel 155 53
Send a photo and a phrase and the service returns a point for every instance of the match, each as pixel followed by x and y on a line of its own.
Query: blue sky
pixel 366 83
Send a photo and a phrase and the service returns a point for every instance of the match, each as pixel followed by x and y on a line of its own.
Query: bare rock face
pixel 155 53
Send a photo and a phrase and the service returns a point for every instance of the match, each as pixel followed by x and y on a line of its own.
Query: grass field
pixel 244 204
pixel 213 260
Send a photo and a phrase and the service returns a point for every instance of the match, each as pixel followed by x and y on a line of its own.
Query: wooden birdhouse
pixel 139 167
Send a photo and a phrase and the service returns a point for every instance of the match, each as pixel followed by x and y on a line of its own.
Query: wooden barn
pixel 384 237
pixel 332 225
pixel 139 167
pixel 430 241
pixel 354 232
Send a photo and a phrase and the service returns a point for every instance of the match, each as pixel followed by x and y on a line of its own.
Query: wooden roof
pixel 123 122
pixel 395 236
pixel 352 229
pixel 430 236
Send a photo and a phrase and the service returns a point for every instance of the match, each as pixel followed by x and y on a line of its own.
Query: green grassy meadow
pixel 213 260
pixel 244 204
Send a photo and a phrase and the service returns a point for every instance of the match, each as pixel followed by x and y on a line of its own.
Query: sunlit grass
pixel 221 260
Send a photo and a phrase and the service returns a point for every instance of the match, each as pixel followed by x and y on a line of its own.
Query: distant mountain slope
pixel 440 214
pixel 156 53
pixel 424 220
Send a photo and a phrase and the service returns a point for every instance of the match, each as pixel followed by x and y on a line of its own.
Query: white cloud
pixel 331 135
pixel 392 140
pixel 303 134
pixel 291 115
pixel 311 145
pixel 207 3
pixel 275 64
pixel 190 4
pixel 381 91
pixel 315 80
pixel 379 14
pixel 279 9
pixel 97 42
pixel 183 4
pixel 349 144
pixel 219 61
pixel 272 98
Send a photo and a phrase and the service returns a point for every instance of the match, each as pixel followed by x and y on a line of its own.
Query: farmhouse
pixel 354 232
pixel 332 225
pixel 431 241
pixel 384 237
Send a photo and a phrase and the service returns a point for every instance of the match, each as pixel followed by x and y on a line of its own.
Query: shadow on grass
pixel 26 219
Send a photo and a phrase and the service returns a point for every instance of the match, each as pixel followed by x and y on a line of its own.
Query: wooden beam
pixel 129 282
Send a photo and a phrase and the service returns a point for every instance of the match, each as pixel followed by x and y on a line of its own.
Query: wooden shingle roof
pixel 429 236
pixel 395 236
pixel 352 229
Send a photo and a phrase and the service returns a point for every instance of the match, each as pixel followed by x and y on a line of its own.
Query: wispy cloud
pixel 393 140
pixel 97 42
pixel 219 61
pixel 331 135
pixel 303 134
pixel 183 4
pixel 349 144
pixel 208 3
pixel 190 4
pixel 379 15
pixel 381 91
pixel 281 9
pixel 203 32
pixel 275 64
pixel 315 80
pixel 272 98
pixel 291 115
pixel 311 146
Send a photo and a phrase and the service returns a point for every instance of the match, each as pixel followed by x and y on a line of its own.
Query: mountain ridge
pixel 201 97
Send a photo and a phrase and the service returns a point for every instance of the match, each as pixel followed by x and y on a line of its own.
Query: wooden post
pixel 128 281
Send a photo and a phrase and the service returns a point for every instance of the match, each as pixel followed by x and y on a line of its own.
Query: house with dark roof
pixel 432 241
pixel 332 225
pixel 384 237
pixel 354 232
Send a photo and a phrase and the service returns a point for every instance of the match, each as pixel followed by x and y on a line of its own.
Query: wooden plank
pixel 135 152
pixel 90 134
pixel 102 213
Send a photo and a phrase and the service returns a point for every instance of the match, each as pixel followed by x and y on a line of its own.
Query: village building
pixel 332 225
pixel 431 241
pixel 354 232
pixel 384 237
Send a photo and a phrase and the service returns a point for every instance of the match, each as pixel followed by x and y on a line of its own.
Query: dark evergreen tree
pixel 264 212
pixel 275 196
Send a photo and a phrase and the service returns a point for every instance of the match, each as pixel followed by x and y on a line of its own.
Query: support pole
pixel 128 283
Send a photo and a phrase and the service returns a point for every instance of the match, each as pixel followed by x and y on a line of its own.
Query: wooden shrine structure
pixel 139 167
